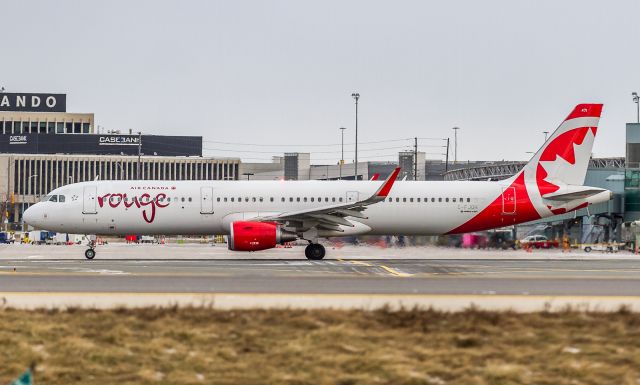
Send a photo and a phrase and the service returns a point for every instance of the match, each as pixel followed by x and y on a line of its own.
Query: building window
pixel 43 128
pixel 68 128
pixel 51 127
pixel 34 127
pixel 60 128
pixel 85 128
pixel 76 128
pixel 8 127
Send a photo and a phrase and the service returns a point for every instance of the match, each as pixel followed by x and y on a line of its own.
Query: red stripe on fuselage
pixel 493 217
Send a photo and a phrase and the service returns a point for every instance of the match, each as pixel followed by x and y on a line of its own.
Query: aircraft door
pixel 206 200
pixel 89 200
pixel 352 196
pixel 508 201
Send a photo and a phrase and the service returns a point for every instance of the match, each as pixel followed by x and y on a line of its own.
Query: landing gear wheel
pixel 314 251
pixel 90 253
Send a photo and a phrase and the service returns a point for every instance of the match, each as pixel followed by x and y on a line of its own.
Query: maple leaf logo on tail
pixel 564 158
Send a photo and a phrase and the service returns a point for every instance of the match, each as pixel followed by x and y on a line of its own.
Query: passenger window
pixel 282 199
pixel 225 199
pixel 253 199
pixel 246 199
pixel 218 199
pixel 333 199
pixel 433 199
pixel 305 199
pixel 61 198
pixel 312 199
pixel 418 200
pixel 326 199
pixel 340 199
pixel 319 199
pixel 446 199
pixel 439 199
pixel 290 199
pixel 410 199
pixel 232 199
pixel 468 199
pixel 298 199
pixel 260 199
pixel 404 199
pixel 461 200
pixel 397 199
pixel 189 199
pixel 454 199
pixel 182 199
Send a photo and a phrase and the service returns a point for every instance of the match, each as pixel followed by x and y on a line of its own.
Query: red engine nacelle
pixel 254 236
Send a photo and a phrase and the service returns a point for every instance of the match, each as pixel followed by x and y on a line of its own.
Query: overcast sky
pixel 281 72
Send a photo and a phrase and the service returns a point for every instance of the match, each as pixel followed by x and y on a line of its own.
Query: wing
pixel 331 217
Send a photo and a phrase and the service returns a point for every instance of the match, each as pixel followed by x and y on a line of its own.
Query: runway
pixel 502 277
pixel 196 274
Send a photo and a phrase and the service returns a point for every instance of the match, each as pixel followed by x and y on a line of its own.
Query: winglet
pixel 384 190
pixel 375 176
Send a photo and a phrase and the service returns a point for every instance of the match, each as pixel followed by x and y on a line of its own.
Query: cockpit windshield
pixel 53 198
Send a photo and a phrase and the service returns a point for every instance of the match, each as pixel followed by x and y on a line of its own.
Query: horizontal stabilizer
pixel 570 193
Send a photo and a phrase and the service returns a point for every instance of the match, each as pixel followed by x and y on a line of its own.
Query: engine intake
pixel 255 236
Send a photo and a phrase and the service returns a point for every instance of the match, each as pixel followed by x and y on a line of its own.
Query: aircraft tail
pixel 564 157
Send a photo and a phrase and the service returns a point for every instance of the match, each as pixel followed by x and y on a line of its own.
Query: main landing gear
pixel 314 251
pixel 90 253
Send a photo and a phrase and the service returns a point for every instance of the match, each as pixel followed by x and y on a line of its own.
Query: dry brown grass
pixel 196 346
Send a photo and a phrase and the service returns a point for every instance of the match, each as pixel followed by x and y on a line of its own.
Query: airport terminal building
pixel 43 147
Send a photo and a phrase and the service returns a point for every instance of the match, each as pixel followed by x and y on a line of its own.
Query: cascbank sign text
pixel 33 102
pixel 118 140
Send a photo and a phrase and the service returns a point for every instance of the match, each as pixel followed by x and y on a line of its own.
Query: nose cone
pixel 30 215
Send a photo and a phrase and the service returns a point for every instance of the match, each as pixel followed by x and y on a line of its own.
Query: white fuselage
pixel 208 207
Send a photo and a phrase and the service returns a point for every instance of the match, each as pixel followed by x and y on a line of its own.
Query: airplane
pixel 258 215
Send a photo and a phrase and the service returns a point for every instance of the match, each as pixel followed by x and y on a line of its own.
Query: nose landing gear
pixel 314 251
pixel 90 253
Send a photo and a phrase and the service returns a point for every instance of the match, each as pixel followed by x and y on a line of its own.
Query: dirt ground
pixel 205 346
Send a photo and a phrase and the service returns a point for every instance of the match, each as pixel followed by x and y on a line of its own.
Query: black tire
pixel 587 249
pixel 89 253
pixel 609 249
pixel 314 251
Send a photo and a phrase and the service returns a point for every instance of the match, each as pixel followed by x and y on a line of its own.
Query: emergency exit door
pixel 206 200
pixel 508 201
pixel 352 196
pixel 89 200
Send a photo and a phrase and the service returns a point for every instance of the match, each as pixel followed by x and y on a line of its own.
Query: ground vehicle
pixel 538 242
pixel 40 237
pixel 608 247
pixel 6 238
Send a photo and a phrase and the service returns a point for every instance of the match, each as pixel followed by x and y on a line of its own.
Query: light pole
pixel 23 198
pixel 546 134
pixel 636 100
pixel 455 144
pixel 356 96
pixel 342 154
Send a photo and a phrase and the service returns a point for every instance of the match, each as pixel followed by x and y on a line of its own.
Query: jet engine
pixel 254 236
